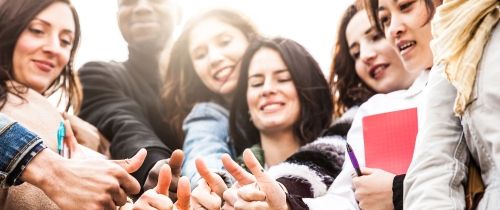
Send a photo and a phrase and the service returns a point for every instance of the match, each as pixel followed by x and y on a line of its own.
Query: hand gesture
pixel 208 193
pixel 175 163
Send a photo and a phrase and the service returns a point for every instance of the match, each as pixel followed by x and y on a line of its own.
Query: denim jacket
pixel 206 130
pixel 18 147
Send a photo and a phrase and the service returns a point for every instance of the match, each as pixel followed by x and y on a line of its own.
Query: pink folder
pixel 390 140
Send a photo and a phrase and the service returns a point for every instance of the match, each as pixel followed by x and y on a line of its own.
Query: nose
pixel 367 54
pixel 396 27
pixel 268 88
pixel 215 56
pixel 52 46
pixel 143 7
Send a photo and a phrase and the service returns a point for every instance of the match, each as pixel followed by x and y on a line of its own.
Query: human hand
pixel 208 193
pixel 373 190
pixel 175 163
pixel 265 194
pixel 158 198
pixel 93 183
pixel 242 178
pixel 87 135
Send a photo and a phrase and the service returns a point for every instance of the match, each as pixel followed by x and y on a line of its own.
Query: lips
pixel 223 73
pixel 271 106
pixel 405 46
pixel 376 71
pixel 43 65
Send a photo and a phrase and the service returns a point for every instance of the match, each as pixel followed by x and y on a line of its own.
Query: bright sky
pixel 313 23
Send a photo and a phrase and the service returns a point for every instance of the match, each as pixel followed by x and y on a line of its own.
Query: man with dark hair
pixel 123 99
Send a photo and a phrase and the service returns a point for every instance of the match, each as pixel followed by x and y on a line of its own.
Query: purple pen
pixel 353 158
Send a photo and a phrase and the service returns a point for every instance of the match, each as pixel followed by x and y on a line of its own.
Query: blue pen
pixel 61 131
pixel 354 160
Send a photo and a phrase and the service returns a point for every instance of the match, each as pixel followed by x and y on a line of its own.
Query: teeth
pixel 223 73
pixel 407 45
pixel 271 107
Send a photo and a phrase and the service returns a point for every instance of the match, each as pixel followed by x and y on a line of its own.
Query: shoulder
pixel 208 109
pixel 100 67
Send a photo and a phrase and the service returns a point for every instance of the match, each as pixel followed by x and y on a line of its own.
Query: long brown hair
pixel 182 87
pixel 15 16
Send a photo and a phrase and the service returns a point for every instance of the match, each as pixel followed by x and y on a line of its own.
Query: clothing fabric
pixel 206 130
pixel 123 101
pixel 459 40
pixel 397 191
pixel 19 146
pixel 341 194
pixel 447 143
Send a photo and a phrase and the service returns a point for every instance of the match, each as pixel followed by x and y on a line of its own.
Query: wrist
pixel 40 171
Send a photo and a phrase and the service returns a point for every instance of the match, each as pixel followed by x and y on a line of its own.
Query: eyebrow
pixel 48 23
pixel 216 36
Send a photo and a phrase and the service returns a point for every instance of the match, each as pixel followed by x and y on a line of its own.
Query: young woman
pixel 200 80
pixel 410 35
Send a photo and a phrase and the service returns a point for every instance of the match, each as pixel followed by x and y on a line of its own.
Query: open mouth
pixel 405 46
pixel 271 107
pixel 223 74
pixel 377 71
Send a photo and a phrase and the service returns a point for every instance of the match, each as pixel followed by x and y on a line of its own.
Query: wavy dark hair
pixel 348 88
pixel 15 16
pixel 312 88
pixel 372 10
pixel 182 87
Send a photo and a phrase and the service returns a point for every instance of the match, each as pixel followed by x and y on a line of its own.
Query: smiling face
pixel 146 24
pixel 406 26
pixel 271 96
pixel 44 47
pixel 216 49
pixel 376 61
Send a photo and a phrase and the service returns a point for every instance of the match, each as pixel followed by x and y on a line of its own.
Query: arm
pixel 434 179
pixel 206 135
pixel 120 118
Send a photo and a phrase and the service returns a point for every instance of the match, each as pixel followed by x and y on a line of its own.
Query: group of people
pixel 222 117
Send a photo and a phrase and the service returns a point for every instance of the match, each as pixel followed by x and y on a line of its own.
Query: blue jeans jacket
pixel 206 130
pixel 18 147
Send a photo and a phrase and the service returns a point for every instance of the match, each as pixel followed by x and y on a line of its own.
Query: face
pixel 406 27
pixel 216 49
pixel 44 47
pixel 271 96
pixel 146 24
pixel 377 63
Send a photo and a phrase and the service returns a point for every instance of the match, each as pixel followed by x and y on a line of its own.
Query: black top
pixel 123 101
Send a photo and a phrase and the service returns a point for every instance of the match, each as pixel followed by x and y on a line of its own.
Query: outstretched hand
pixel 175 163
pixel 266 193
pixel 208 193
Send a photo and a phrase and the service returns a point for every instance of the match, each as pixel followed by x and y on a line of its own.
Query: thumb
pixel 133 164
pixel 274 193
pixel 69 138
pixel 213 180
pixel 183 194
pixel 241 176
pixel 176 162
pixel 164 179
pixel 367 171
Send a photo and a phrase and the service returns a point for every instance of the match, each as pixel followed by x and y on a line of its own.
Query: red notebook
pixel 390 140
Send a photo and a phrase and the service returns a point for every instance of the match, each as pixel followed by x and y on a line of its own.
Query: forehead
pixel 208 29
pixel 357 27
pixel 58 15
pixel 266 59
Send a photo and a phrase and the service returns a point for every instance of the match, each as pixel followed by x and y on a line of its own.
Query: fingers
pixel 133 164
pixel 175 162
pixel 213 180
pixel 230 196
pixel 367 171
pixel 69 138
pixel 151 200
pixel 251 192
pixel 241 176
pixel 164 180
pixel 203 197
pixel 183 194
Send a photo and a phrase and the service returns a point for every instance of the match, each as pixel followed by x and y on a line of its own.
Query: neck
pixel 278 146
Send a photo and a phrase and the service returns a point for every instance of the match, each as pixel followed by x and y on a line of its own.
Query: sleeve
pixel 206 135
pixel 434 179
pixel 19 146
pixel 119 117
pixel 397 192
